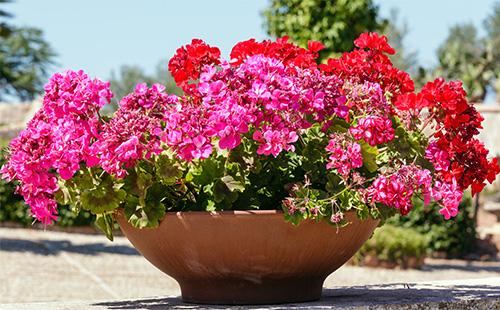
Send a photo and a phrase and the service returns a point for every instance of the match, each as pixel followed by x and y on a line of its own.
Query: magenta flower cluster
pixel 262 93
pixel 373 129
pixel 437 157
pixel 135 132
pixel 57 139
pixel 397 189
pixel 345 155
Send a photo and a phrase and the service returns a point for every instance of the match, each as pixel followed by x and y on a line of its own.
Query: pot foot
pixel 241 292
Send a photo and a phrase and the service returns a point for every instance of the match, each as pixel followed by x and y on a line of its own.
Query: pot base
pixel 241 292
pixel 247 257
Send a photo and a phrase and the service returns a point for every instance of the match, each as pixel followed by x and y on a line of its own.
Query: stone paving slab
pixel 462 294
pixel 44 266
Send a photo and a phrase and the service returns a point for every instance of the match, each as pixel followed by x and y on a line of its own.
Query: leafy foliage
pixel 492 25
pixel 455 238
pixel 463 55
pixel 25 59
pixel 394 245
pixel 473 59
pixel 334 23
pixel 127 77
pixel 5 28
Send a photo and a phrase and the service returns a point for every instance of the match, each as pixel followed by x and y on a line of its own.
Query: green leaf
pixel 223 193
pixel 64 195
pixel 144 181
pixel 295 219
pixel 84 179
pixel 208 170
pixel 149 215
pixel 362 212
pixel 340 125
pixel 416 141
pixel 149 210
pixel 369 154
pixel 104 197
pixel 167 170
pixel 106 223
pixel 236 171
pixel 210 206
pixel 334 183
pixel 137 183
pixel 189 176
pixel 232 184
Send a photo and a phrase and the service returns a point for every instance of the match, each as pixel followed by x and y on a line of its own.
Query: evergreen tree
pixel 25 59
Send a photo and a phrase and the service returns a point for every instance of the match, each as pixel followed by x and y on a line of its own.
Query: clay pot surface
pixel 247 257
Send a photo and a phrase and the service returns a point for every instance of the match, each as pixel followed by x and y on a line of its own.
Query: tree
pixel 466 57
pixel 124 81
pixel 492 25
pixel 404 59
pixel 474 60
pixel 336 23
pixel 396 32
pixel 5 29
pixel 25 59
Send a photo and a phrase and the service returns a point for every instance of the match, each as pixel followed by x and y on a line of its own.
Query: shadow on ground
pixel 53 247
pixel 387 295
pixel 469 267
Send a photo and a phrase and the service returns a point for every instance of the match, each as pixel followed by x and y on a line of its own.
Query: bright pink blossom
pixel 135 132
pixel 57 138
pixel 449 196
pixel 345 155
pixel 373 129
pixel 439 158
pixel 260 94
pixel 273 142
pixel 73 92
pixel 396 190
pixel 367 98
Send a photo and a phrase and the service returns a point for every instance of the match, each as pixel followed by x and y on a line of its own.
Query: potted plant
pixel 266 175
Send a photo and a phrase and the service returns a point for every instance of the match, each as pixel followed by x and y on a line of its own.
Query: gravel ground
pixel 43 266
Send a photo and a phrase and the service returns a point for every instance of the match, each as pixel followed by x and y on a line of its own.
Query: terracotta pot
pixel 247 257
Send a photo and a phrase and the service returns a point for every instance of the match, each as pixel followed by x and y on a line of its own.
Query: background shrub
pixel 456 237
pixel 393 245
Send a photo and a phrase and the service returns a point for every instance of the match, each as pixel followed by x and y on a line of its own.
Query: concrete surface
pixel 42 266
pixel 456 295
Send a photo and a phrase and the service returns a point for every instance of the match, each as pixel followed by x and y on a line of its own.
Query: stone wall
pixel 13 117
pixel 490 134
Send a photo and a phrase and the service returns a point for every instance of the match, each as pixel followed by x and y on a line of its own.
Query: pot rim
pixel 226 212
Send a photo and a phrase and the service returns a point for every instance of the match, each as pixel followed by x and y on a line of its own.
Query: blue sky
pixel 101 35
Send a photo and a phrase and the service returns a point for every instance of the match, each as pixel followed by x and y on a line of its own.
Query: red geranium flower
pixel 372 40
pixel 188 61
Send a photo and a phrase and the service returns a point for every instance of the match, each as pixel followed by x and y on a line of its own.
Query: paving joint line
pixel 98 280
